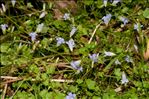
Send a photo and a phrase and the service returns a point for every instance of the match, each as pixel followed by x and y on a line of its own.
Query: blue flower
pixel 3 27
pixel 42 14
pixel 105 2
pixel 33 36
pixel 60 41
pixel 117 62
pixel 94 57
pixel 107 18
pixel 128 59
pixel 66 16
pixel 13 2
pixel 109 54
pixel 71 96
pixel 115 2
pixel 71 44
pixel 74 29
pixel 76 65
pixel 137 26
pixel 124 20
pixel 124 78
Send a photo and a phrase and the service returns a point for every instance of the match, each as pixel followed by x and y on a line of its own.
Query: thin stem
pixel 93 33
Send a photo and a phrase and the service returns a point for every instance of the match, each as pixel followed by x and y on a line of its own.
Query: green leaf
pixel 90 84
pixel 59 24
pixel 146 13
pixel 34 69
pixel 44 76
pixel 88 2
pixel 99 3
pixel 82 30
pixel 50 69
pixel 117 72
pixel 79 81
pixel 73 89
pixel 96 97
pixel 4 47
pixel 5 60
pixel 125 10
pixel 45 94
pixel 59 96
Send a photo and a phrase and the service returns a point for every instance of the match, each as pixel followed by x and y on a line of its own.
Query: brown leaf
pixel 119 89
pixel 65 4
pixel 146 54
pixel 57 14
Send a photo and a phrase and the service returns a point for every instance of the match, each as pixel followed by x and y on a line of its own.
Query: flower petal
pixel 128 59
pixel 117 62
pixel 107 18
pixel 75 65
pixel 124 79
pixel 66 16
pixel 33 36
pixel 42 14
pixel 109 54
pixel 71 44
pixel 60 41
pixel 94 57
pixel 71 96
pixel 3 27
pixel 13 2
pixel 74 29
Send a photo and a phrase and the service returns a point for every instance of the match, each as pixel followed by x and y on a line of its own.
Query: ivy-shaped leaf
pixel 146 13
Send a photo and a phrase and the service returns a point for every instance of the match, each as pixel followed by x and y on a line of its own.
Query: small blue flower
pixel 3 27
pixel 60 41
pixel 76 65
pixel 66 16
pixel 74 29
pixel 42 14
pixel 124 20
pixel 109 54
pixel 71 96
pixel 105 2
pixel 136 26
pixel 33 36
pixel 39 28
pixel 71 44
pixel 117 62
pixel 124 78
pixel 115 2
pixel 107 18
pixel 94 57
pixel 128 59
pixel 13 2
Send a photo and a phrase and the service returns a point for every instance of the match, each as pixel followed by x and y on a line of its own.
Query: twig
pixel 9 77
pixel 93 33
pixel 16 90
pixel 5 89
pixel 13 79
pixel 61 80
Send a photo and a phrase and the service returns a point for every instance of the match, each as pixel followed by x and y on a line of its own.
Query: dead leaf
pixel 57 14
pixel 64 6
pixel 118 89
pixel 146 54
